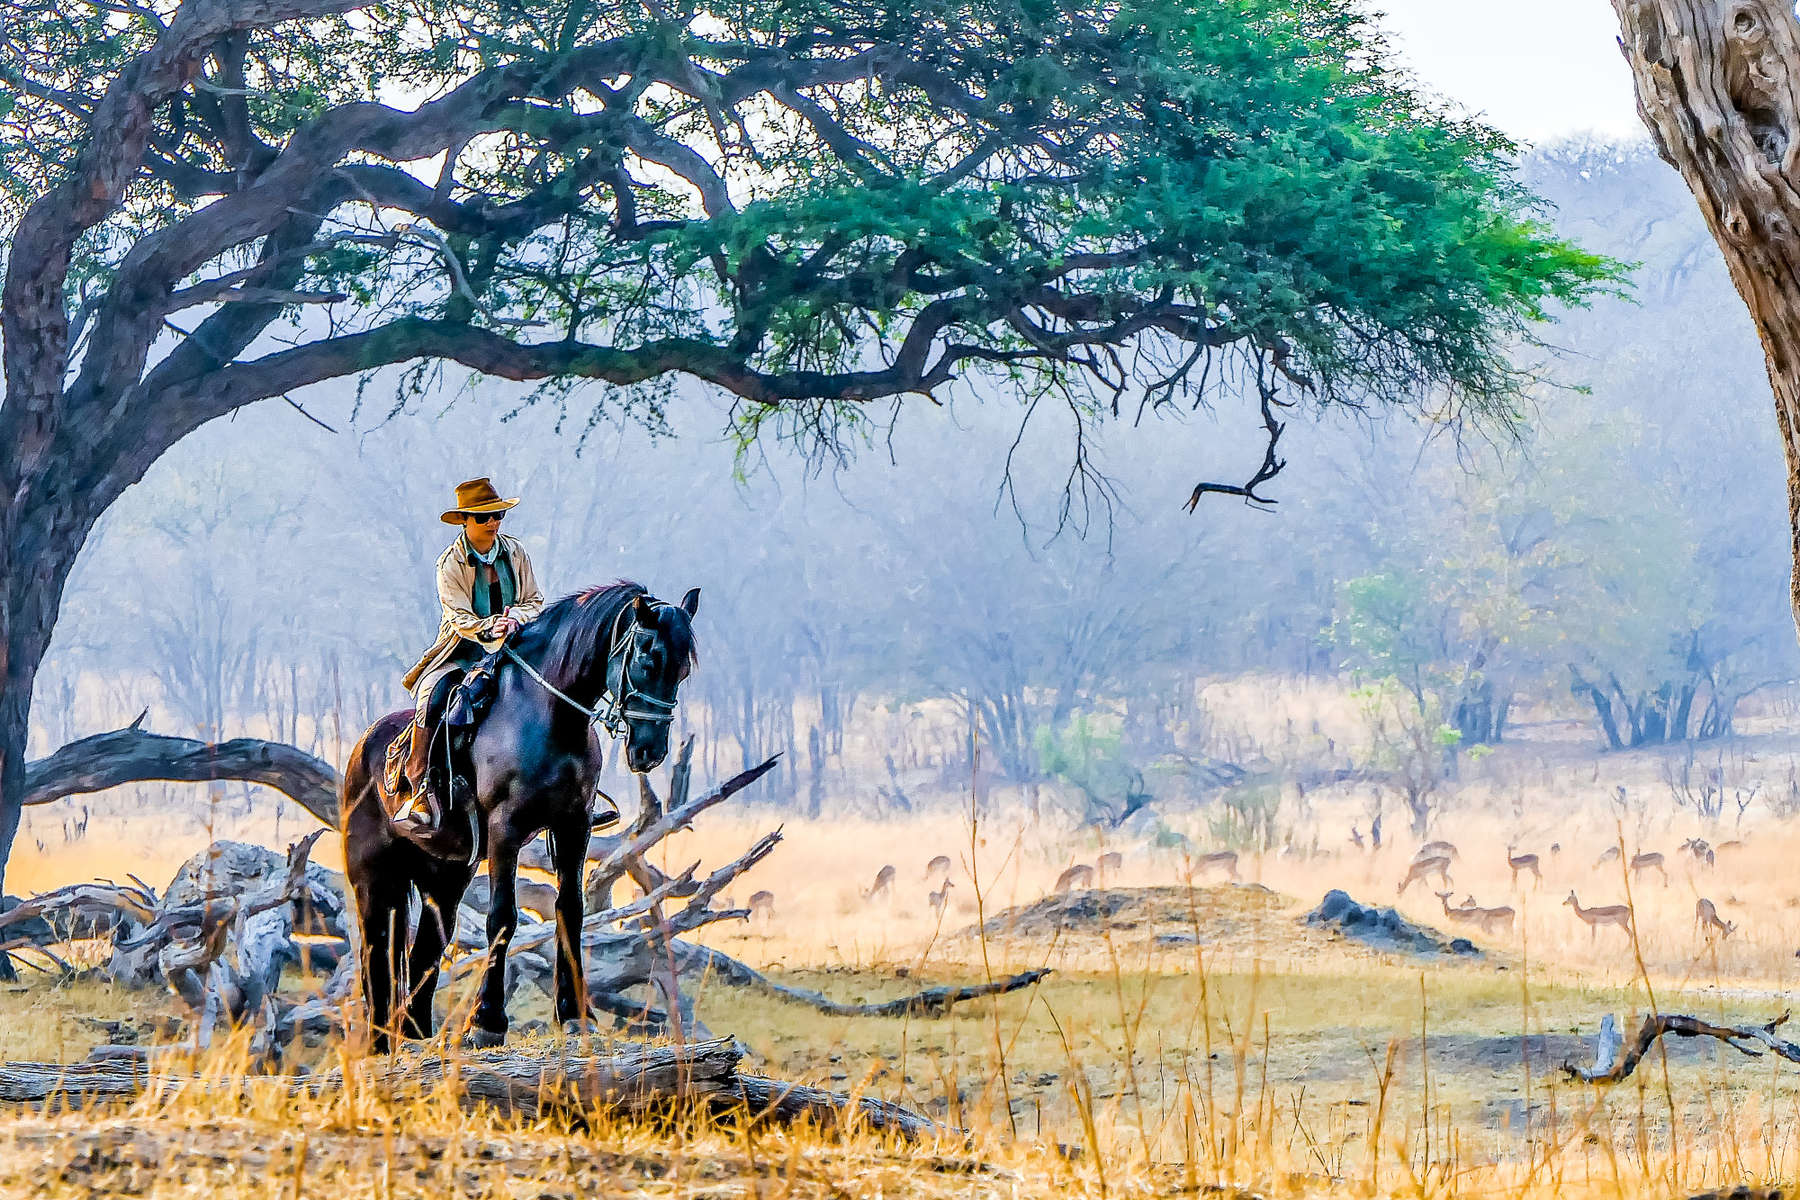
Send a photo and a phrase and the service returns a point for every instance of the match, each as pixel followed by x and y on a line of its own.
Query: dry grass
pixel 1201 1036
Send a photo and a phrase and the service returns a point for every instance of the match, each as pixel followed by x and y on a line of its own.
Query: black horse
pixel 611 654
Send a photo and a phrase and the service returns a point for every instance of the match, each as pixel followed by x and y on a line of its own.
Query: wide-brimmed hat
pixel 475 496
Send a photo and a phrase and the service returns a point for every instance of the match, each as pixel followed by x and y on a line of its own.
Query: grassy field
pixel 1194 1032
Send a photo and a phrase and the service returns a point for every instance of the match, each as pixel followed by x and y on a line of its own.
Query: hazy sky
pixel 1538 69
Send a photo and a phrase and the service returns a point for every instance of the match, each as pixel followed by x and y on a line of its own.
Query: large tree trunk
pixel 66 471
pixel 1718 84
pixel 38 545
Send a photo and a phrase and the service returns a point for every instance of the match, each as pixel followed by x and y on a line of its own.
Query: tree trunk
pixel 1718 85
pixel 815 782
pixel 38 545
pixel 1418 807
pixel 1602 710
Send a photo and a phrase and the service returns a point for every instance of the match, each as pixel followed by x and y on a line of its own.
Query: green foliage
pixel 1384 628
pixel 1080 752
pixel 1028 178
pixel 1410 744
pixel 1548 558
pixel 1092 761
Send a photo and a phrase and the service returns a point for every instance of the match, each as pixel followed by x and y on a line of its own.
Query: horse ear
pixel 690 603
pixel 642 611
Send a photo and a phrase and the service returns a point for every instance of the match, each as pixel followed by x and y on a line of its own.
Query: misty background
pixel 882 619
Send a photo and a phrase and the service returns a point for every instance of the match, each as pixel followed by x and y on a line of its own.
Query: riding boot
pixel 422 813
pixel 426 781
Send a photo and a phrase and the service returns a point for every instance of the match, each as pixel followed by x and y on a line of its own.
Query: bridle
pixel 619 704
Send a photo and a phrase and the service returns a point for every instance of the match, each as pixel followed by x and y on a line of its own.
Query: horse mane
pixel 579 627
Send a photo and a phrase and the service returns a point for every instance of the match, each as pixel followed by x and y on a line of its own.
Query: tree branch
pixel 931 1002
pixel 131 755
pixel 1610 1065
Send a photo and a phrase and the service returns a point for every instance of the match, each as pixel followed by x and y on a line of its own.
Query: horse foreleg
pixel 569 840
pixel 503 919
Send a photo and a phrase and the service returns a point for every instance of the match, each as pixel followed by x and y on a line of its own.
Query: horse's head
pixel 659 654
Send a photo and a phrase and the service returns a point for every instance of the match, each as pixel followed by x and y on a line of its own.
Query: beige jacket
pixel 456 587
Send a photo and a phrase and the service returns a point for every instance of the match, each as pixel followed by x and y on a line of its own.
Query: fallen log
pixel 628 1079
pixel 932 1002
pixel 631 1079
pixel 787 1103
pixel 131 755
pixel 1615 1060
pixel 84 909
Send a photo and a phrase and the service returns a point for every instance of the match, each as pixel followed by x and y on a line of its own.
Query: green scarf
pixel 496 586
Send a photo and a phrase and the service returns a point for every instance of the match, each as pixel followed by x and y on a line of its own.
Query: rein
pixel 614 710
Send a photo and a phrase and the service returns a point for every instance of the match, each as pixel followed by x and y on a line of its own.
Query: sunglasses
pixel 484 518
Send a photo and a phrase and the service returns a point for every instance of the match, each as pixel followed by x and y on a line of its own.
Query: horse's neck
pixel 586 686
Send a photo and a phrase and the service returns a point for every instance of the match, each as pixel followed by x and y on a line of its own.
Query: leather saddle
pixel 454 712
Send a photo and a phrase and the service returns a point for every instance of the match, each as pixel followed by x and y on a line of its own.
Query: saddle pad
pixel 398 751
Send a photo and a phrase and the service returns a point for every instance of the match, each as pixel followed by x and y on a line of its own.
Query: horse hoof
pixel 484 1039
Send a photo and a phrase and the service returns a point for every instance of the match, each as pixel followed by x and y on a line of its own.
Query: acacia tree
pixel 809 204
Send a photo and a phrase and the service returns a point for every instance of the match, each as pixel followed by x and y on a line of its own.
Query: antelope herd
pixel 1433 860
pixel 1075 877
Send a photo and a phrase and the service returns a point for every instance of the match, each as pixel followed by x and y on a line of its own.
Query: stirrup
pixel 606 814
pixel 420 814
pixel 413 824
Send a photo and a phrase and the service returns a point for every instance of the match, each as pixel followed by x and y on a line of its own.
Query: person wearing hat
pixel 487 590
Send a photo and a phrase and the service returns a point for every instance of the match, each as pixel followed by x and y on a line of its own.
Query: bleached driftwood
pixel 617 856
pixel 1615 1060
pixel 230 970
pixel 78 910
pixel 226 927
pixel 208 888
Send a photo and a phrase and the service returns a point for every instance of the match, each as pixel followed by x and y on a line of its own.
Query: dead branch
pixel 230 970
pixel 131 755
pixel 226 926
pixel 1614 1060
pixel 645 833
pixel 85 906
pixel 932 1002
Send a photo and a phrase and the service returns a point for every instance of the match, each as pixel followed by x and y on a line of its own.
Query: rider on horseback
pixel 487 590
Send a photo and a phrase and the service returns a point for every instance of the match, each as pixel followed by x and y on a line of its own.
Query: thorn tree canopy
pixel 810 204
